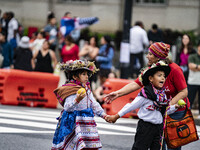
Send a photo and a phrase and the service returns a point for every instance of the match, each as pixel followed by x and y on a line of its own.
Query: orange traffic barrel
pixel 35 89
pixel 113 85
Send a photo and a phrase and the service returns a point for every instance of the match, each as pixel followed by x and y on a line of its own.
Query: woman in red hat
pixel 175 85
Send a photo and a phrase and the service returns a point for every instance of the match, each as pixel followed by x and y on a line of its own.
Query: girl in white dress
pixel 76 129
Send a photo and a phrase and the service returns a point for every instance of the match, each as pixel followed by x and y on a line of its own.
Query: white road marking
pixel 42 119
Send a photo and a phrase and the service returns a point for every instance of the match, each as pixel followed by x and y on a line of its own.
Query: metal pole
pixel 124 49
pixel 50 5
pixel 198 30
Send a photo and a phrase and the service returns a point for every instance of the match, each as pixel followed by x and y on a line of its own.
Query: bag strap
pixel 164 125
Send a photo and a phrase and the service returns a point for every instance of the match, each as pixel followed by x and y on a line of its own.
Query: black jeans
pixel 133 68
pixel 148 135
pixel 192 91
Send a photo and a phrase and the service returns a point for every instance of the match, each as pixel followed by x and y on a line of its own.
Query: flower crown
pixel 78 64
pixel 144 70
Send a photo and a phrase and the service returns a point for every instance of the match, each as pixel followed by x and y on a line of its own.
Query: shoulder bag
pixel 181 131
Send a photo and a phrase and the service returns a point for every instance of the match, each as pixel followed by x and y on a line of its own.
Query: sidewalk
pixel 196 116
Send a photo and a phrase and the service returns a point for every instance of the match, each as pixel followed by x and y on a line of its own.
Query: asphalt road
pixel 28 128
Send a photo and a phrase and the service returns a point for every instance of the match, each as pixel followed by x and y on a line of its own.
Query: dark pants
pixel 192 91
pixel 148 135
pixel 133 68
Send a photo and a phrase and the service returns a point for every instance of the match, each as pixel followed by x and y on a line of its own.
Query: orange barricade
pixel 25 88
pixel 113 85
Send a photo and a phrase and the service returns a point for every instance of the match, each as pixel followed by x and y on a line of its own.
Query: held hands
pixel 111 97
pixel 112 118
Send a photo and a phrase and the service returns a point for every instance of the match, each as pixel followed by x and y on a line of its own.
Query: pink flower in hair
pixel 91 68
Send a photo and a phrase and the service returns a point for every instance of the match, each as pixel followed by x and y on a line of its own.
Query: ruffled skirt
pixel 75 131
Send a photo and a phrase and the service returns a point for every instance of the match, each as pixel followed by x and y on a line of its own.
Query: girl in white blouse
pixel 76 129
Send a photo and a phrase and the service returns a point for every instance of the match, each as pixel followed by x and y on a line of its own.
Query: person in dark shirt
pixel 155 34
pixel 4 24
pixel 44 60
pixel 23 55
pixel 7 52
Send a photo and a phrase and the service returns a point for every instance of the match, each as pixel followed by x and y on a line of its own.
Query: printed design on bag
pixel 183 131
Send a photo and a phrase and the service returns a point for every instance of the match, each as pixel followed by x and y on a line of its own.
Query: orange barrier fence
pixel 25 88
pixel 113 85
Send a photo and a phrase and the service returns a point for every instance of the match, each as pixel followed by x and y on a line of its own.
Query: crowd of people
pixel 38 53
pixel 39 50
pixel 42 49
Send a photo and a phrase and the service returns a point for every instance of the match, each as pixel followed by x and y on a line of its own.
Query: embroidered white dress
pixel 76 128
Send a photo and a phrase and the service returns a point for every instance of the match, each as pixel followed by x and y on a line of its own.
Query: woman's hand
pixel 179 106
pixel 111 97
pixel 129 88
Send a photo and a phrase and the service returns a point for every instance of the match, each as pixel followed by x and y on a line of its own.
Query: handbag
pixel 181 131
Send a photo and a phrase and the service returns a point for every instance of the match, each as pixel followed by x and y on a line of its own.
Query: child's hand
pixel 80 96
pixel 112 118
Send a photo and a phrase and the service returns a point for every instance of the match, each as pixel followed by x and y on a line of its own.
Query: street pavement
pixel 30 128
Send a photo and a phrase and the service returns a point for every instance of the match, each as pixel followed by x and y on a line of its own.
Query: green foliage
pixel 25 32
pixel 193 36
pixel 174 37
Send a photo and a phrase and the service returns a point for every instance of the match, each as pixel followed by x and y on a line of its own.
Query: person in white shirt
pixel 38 42
pixel 152 102
pixel 13 36
pixel 138 42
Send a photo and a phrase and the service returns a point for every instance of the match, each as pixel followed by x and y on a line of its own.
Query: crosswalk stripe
pixel 100 125
pixel 29 117
pixel 27 113
pixel 44 112
pixel 113 133
pixel 28 123
pixel 53 126
pixel 43 125
pixel 56 114
pixel 46 120
pixel 17 130
pixel 116 127
pixel 120 120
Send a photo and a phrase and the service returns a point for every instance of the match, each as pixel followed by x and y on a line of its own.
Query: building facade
pixel 174 14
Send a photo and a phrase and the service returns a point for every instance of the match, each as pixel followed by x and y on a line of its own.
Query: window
pixel 75 0
pixel 151 2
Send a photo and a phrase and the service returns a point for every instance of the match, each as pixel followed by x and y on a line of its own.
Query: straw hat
pixel 77 65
